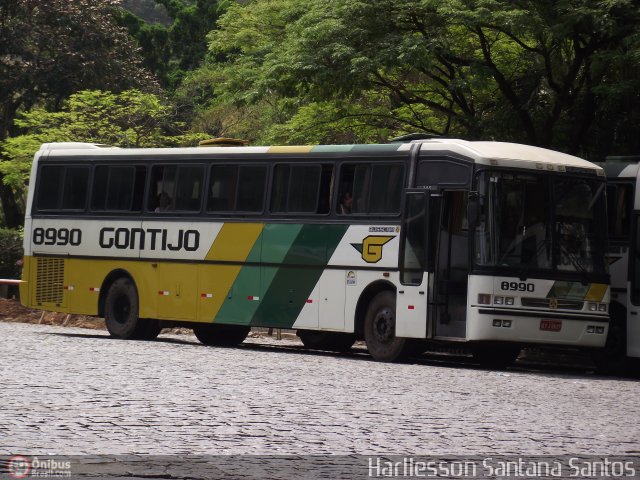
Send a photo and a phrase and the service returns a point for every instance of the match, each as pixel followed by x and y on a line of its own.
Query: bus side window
pixel 237 188
pixel 301 188
pixel 353 190
pixel 619 206
pixel 222 188
pixel 252 182
pixel 50 181
pixel 163 180
pixel 63 188
pixel 118 188
pixel 76 187
pixel 386 188
pixel 370 189
pixel 178 187
pixel 188 192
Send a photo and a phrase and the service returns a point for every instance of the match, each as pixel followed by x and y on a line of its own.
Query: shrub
pixel 10 252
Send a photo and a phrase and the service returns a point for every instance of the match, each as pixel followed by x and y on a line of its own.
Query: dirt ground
pixel 12 311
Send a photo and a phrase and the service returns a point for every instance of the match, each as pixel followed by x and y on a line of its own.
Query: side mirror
pixel 473 209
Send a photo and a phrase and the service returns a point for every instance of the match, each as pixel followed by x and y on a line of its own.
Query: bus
pixel 623 204
pixel 481 246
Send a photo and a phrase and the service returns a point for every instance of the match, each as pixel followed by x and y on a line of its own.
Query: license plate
pixel 551 325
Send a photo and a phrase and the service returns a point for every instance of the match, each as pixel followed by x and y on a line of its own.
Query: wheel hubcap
pixel 121 309
pixel 383 325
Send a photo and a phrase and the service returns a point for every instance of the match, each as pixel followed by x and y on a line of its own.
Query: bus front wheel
pixel 221 335
pixel 121 313
pixel 380 329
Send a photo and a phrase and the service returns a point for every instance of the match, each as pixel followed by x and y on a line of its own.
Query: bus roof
pixel 621 169
pixel 491 153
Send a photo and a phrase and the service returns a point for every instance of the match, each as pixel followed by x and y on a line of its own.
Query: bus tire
pixel 147 329
pixel 330 341
pixel 121 310
pixel 221 335
pixel 380 329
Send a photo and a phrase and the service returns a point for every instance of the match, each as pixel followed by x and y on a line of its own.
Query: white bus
pixel 492 246
pixel 623 202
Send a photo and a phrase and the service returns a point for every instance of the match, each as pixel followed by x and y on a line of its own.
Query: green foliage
pixel 51 49
pixel 128 119
pixel 170 50
pixel 546 73
pixel 10 252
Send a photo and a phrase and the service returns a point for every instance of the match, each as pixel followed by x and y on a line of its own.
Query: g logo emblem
pixel 371 247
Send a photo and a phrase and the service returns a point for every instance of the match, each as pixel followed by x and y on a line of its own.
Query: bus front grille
pixel 50 280
pixel 552 303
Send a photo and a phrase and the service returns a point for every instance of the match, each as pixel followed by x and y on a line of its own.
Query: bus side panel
pixel 246 291
pixel 289 286
pixel 411 309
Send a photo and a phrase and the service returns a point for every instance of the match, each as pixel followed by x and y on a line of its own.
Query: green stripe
pixel 271 247
pixel 291 286
pixel 332 148
pixel 387 147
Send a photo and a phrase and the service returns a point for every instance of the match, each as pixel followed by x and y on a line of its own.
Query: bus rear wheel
pixel 121 313
pixel 221 335
pixel 331 341
pixel 380 329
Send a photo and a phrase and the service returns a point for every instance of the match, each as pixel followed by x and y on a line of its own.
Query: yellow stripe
pixel 596 292
pixel 234 242
pixel 292 149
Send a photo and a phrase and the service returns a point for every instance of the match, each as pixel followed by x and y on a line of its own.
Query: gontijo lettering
pixel 150 238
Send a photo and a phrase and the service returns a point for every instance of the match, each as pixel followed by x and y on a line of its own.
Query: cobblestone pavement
pixel 69 391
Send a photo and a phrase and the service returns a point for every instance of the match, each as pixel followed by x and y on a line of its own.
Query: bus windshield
pixel 540 222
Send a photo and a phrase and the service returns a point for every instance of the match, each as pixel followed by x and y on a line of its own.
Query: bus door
pixel 415 265
pixel 449 308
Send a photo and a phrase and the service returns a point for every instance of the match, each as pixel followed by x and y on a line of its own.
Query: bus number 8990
pixel 57 236
pixel 518 286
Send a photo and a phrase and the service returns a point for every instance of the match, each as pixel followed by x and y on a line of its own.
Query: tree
pixel 128 119
pixel 171 50
pixel 51 49
pixel 558 74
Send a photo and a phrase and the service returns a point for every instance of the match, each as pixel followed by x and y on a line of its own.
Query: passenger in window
pixel 164 202
pixel 346 201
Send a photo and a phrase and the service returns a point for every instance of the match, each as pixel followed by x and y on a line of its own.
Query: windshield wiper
pixel 584 279
pixel 524 273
